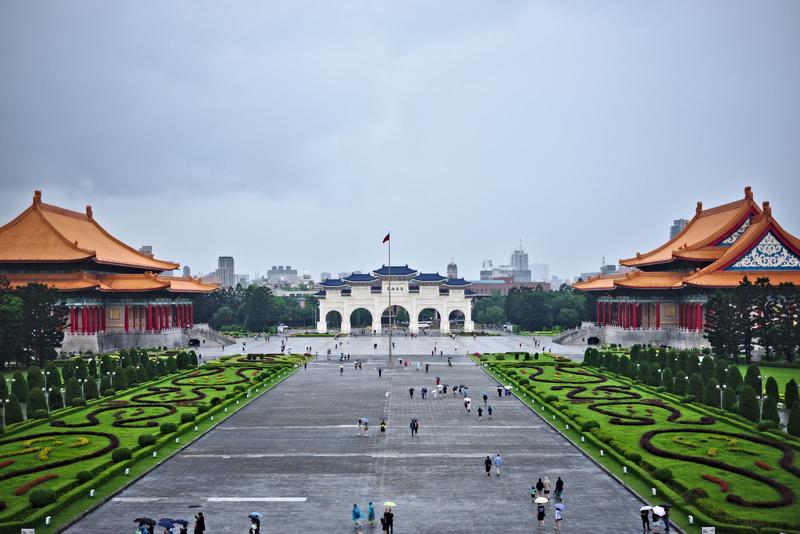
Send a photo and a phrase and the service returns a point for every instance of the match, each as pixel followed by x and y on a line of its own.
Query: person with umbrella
pixel 255 523
pixel 184 526
pixel 540 510
pixel 644 511
pixel 559 515
pixel 199 523
pixel 658 513
pixel 388 517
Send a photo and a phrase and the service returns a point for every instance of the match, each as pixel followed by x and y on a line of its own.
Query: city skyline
pixel 272 136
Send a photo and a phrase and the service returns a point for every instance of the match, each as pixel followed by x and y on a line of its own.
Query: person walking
pixel 498 462
pixel 487 465
pixel 540 514
pixel 485 399
pixel 500 391
pixel 380 372
pixel 427 366
pixel 558 515
pixel 199 523
pixel 489 410
pixel 416 426
pixel 356 515
pixel 366 428
pixel 559 488
pixel 480 413
pixel 411 425
pixel 341 370
pixel 388 515
pixel 645 514
pixel 547 487
pixel 359 426
pixel 665 519
pixel 418 367
pixel 424 392
pixel 383 427
pixel 255 526
pixel 656 523
pixel 371 514
pixel 411 392
pixel 540 488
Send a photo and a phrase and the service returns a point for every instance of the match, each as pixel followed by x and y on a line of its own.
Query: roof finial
pixel 37 197
pixel 748 192
pixel 766 209
pixel 699 207
pixel 89 211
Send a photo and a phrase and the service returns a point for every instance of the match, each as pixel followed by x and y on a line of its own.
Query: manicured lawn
pixel 782 375
pixel 50 454
pixel 510 357
pixel 743 471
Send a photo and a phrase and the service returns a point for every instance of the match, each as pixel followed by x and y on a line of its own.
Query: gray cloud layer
pixel 300 132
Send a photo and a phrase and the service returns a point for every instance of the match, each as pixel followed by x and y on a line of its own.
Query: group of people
pixel 387 520
pixel 497 463
pixel 540 494
pixel 658 521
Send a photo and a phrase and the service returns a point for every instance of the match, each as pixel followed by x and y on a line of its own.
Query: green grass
pixel 124 417
pixel 743 453
pixel 782 375
pixel 509 358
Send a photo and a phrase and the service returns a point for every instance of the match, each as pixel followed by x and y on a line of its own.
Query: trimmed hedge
pixel 121 454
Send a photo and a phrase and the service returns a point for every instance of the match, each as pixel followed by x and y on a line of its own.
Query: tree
pixel 752 378
pixel 14 411
pixel 693 365
pixel 655 376
pixel 73 391
pixel 36 401
pixel 748 404
pixel 681 383
pixel 734 378
pixel 90 389
pixel 10 324
pixel 141 374
pixel 791 394
pixel 793 424
pixel 53 376
pixel 19 387
pixel 711 395
pixel 43 321
pixel 696 386
pixel 223 317
pixel 105 383
pixel 720 325
pixel 644 372
pixel 765 311
pixel 130 375
pixel 56 400
pixel 707 368
pixel 120 381
pixel 771 388
pixel 35 378
pixel 787 324
pixel 721 370
pixel 743 317
pixel 258 308
pixel 769 411
pixel 668 381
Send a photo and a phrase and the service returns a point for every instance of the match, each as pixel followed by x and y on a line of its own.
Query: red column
pixel 104 318
pixel 658 315
pixel 635 313
pixel 71 319
pixel 609 312
pixel 126 318
pixel 149 318
pixel 680 315
pixel 191 314
pixel 83 319
pixel 699 317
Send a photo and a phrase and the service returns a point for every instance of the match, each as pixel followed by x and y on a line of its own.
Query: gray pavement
pixel 295 455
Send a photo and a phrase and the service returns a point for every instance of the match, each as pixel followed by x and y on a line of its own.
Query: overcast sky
pixel 301 132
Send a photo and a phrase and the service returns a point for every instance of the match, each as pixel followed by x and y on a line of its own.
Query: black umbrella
pixel 145 521
pixel 183 522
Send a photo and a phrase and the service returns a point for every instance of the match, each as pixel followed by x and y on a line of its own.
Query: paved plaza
pixel 295 455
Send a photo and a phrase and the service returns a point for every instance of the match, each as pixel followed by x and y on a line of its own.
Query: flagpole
pixel 391 314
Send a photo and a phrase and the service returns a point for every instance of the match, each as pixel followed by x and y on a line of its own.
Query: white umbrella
pixel 659 511
pixel 541 500
pixel 467 399
pixel 560 506
pixel 643 508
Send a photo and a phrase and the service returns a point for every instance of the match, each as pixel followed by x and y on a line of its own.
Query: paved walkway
pixel 294 455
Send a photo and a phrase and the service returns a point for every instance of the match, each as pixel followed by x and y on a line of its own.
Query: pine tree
pixel 707 368
pixel 791 394
pixel 655 376
pixel 54 377
pixel 19 387
pixel 73 391
pixel 668 381
pixel 720 325
pixel 680 383
pixel 748 404
pixel 721 370
pixel 787 327
pixel 56 401
pixel 751 378
pixel 696 386
pixel 130 375
pixel 36 401
pixel 771 388
pixel 120 381
pixel 105 384
pixel 764 318
pixel 743 317
pixel 644 372
pixel 711 394
pixel 769 410
pixel 693 365
pixel 793 424
pixel 13 411
pixel 734 378
pixel 35 378
pixel 90 389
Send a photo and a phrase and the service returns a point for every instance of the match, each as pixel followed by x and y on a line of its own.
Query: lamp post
pixel 47 398
pixel 63 401
pixel 761 405
pixel 721 390
pixel 82 381
pixel 110 376
pixel 4 402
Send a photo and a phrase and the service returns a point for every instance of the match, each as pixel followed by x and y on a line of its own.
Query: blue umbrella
pixel 166 522
pixel 255 515
pixel 183 522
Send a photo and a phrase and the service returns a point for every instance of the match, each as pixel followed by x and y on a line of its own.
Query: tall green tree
pixel 790 393
pixel 668 380
pixel 793 424
pixel 769 411
pixel 696 386
pixel 681 383
pixel 19 387
pixel 36 401
pixel 720 325
pixel 764 315
pixel 711 393
pixel 707 368
pixel 771 388
pixel 752 378
pixel 787 324
pixel 11 338
pixel 734 378
pixel 14 411
pixel 748 404
pixel 43 321
pixel 73 391
pixel 90 389
pixel 743 318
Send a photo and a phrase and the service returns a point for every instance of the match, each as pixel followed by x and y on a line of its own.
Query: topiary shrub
pixel 187 417
pixel 663 474
pixel 168 428
pixel 145 440
pixel 767 424
pixel 230 395
pixel 202 408
pixel 634 457
pixel 121 454
pixel 41 497
pixel 500 357
pixel 108 392
pixel 40 414
pixel 588 425
pixel 695 493
pixel 215 401
pixel 84 476
pixel 238 387
pixel 551 398
pixel 78 401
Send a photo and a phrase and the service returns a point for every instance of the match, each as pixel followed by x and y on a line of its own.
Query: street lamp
pixel 721 390
pixel 4 402
pixel 63 401
pixel 47 398
pixel 761 405
pixel 82 381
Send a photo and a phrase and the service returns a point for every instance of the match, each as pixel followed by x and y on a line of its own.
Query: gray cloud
pixel 299 132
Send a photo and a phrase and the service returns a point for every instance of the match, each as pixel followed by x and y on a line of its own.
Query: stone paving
pixel 295 455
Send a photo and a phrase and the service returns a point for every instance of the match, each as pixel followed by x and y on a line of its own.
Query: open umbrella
pixel 165 522
pixel 541 500
pixel 255 515
pixel 645 508
pixel 390 504
pixel 665 506
pixel 183 522
pixel 659 511
pixel 144 521
pixel 560 506
pixel 364 420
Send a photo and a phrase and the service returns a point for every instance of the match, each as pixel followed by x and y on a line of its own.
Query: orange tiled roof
pixel 705 229
pixel 61 281
pixel 651 280
pixel 131 282
pixel 45 233
pixel 188 285
pixel 603 282
pixel 113 283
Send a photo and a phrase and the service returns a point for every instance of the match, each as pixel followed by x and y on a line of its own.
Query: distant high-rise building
pixel 324 275
pixel 540 272
pixel 242 280
pixel 519 265
pixel 187 271
pixel 486 270
pixel 677 226
pixel 452 270
pixel 225 271
pixel 282 275
pixel 146 249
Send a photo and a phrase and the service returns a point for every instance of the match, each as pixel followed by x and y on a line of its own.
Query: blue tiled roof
pixel 469 293
pixel 359 278
pixel 429 277
pixel 319 293
pixel 332 282
pixel 457 282
pixel 396 270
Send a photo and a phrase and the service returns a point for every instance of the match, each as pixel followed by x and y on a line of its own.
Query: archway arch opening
pixel 361 318
pixel 396 314
pixel 333 319
pixel 429 319
pixel 456 319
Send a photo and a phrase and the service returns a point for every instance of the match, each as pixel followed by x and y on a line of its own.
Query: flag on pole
pixel 385 239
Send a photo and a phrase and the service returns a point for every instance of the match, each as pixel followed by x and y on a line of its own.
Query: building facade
pixel 677 226
pixel 410 290
pixel 225 271
pixel 117 297
pixel 662 298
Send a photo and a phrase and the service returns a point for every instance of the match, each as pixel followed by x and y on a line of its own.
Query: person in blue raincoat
pixel 356 516
pixel 371 514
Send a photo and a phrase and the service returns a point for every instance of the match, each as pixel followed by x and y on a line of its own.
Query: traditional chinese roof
pixel 762 249
pixel 707 232
pixel 429 277
pixel 332 283
pixel 114 283
pixel 48 234
pixel 394 270
pixel 457 283
pixel 359 278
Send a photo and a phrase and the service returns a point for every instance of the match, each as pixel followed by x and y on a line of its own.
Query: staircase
pixel 209 334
